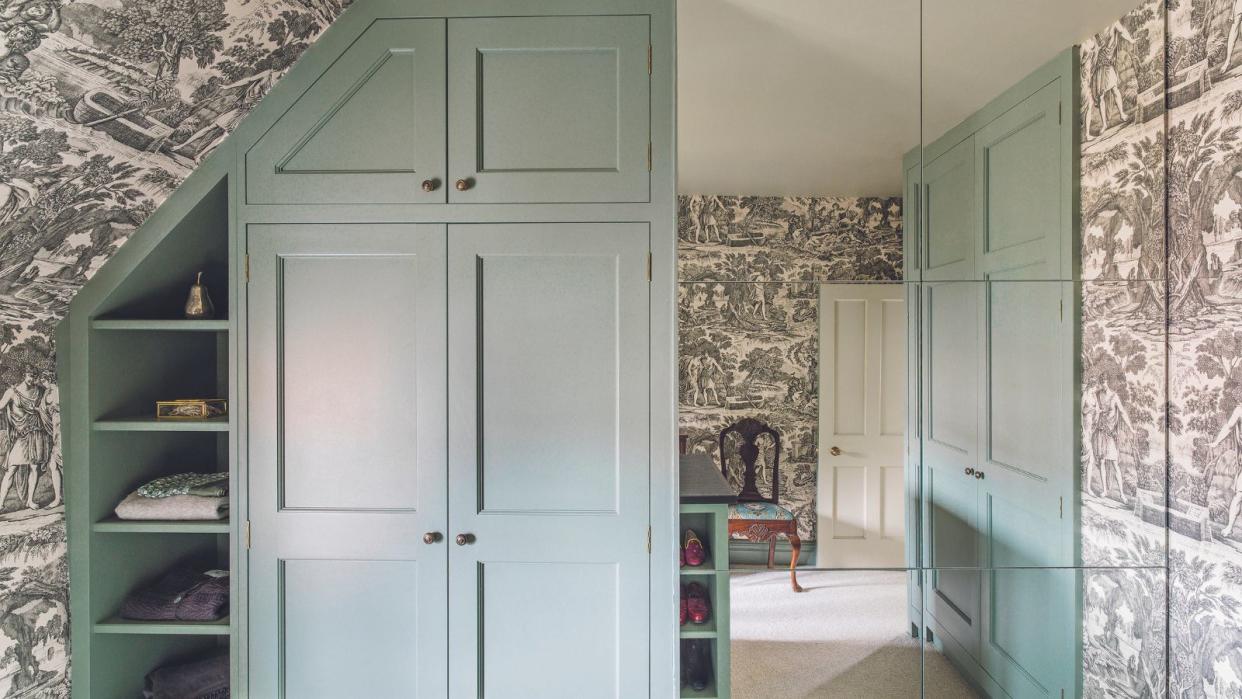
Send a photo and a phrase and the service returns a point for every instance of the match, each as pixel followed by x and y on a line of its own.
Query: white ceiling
pixel 789 97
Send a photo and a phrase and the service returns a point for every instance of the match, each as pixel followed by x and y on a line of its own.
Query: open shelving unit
pixel 125 344
pixel 711 523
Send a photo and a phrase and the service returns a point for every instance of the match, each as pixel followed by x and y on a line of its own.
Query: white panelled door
pixel 862 413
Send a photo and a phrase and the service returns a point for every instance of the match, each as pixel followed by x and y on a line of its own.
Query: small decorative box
pixel 191 408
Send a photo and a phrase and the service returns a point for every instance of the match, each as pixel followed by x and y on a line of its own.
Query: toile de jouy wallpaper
pixel 750 269
pixel 105 107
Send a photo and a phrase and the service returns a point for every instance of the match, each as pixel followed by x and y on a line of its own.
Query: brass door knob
pixel 835 451
pixel 979 475
pixel 970 471
pixel 431 185
pixel 463 185
pixel 432 537
pixel 463 539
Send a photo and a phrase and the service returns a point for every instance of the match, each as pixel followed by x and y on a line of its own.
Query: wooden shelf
pixel 160 325
pixel 117 625
pixel 709 693
pixel 693 630
pixel 708 568
pixel 150 424
pixel 135 526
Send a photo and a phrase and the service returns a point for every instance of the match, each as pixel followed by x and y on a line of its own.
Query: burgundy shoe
pixel 693 551
pixel 697 606
pixel 683 606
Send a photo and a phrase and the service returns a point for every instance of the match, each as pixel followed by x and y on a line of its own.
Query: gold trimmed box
pixel 191 408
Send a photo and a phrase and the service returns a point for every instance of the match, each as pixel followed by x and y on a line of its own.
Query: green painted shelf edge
pixel 692 630
pixel 709 693
pixel 116 525
pixel 708 568
pixel 150 424
pixel 160 325
pixel 117 625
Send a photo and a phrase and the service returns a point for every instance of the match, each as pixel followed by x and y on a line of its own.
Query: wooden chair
pixel 755 517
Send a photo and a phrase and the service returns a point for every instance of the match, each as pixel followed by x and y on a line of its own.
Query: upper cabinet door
pixel 549 109
pixel 1022 179
pixel 370 130
pixel 948 208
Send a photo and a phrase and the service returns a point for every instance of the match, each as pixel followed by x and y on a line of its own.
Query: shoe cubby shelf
pixel 711 523
pixel 126 345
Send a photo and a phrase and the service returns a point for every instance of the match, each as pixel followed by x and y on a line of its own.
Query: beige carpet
pixel 846 636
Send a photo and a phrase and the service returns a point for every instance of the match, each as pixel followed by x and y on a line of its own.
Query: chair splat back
pixel 750 430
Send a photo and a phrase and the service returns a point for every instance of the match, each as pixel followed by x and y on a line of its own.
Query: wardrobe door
pixel 370 130
pixel 549 460
pixel 347 461
pixel 1023 184
pixel 947 244
pixel 950 454
pixel 549 109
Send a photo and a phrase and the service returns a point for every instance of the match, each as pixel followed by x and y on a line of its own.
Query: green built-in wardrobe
pixel 442 253
pixel 991 249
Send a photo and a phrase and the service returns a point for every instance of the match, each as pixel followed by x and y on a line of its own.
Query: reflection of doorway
pixel 862 413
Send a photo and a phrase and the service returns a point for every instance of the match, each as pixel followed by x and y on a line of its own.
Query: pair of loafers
pixel 693 553
pixel 694 604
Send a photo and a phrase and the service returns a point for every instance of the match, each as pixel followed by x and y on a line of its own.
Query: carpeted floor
pixel 846 636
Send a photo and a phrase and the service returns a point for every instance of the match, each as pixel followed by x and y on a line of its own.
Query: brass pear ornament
pixel 198 306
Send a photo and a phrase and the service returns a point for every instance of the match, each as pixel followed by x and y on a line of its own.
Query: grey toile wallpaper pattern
pixel 747 305
pixel 105 107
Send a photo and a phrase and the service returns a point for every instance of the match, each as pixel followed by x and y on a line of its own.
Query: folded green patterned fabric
pixel 211 485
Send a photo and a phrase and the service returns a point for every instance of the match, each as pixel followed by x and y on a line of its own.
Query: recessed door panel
pixel 549 430
pixel 549 362
pixel 370 130
pixel 1020 180
pixel 346 376
pixel 950 368
pixel 549 109
pixel 948 209
pixel 534 612
pixel 348 436
pixel 361 615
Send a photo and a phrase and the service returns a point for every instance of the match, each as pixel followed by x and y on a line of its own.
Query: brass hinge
pixel 1062 302
pixel 649 539
pixel 650 264
pixel 246 534
pixel 247 268
pixel 649 59
pixel 1062 510
pixel 1060 109
pixel 648 157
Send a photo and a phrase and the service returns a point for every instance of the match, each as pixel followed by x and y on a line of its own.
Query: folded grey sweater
pixel 188 507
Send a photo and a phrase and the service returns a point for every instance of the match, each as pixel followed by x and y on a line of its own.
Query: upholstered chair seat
pixel 759 510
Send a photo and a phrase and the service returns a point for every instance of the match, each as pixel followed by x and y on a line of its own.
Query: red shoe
pixel 693 551
pixel 697 607
pixel 683 606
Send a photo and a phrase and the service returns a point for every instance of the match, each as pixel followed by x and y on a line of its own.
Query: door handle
pixel 431 185
pixel 835 451
pixel 464 539
pixel 464 184
pixel 970 471
pixel 432 537
pixel 979 475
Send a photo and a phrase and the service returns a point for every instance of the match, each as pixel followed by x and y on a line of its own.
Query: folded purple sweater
pixel 183 594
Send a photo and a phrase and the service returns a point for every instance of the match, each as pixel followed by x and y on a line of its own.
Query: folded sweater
pixel 183 594
pixel 201 679
pixel 181 507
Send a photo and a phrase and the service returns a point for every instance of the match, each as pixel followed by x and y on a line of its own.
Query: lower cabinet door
pixel 549 460
pixel 347 461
